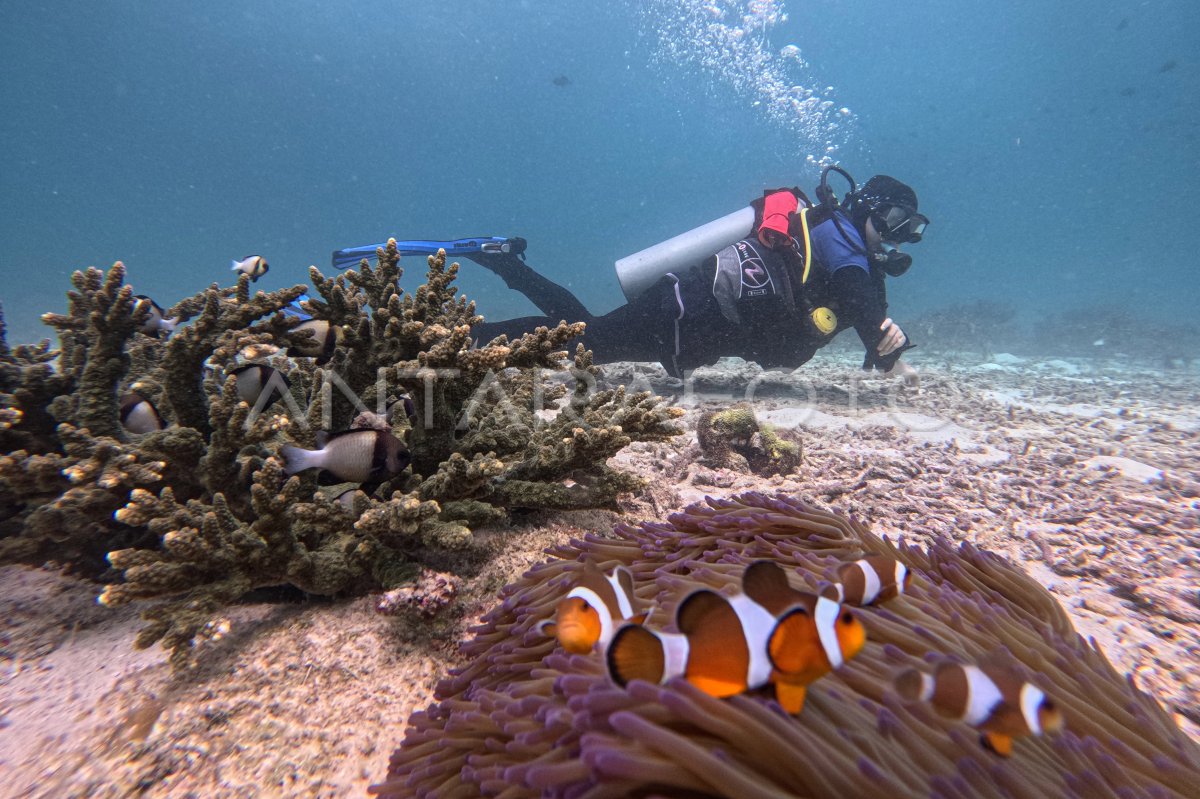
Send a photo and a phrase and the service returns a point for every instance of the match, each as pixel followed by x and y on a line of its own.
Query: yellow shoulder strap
pixel 807 244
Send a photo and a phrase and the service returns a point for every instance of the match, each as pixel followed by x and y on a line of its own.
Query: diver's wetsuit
pixel 741 302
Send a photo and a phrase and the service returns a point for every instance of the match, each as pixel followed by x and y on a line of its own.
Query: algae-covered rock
pixel 734 438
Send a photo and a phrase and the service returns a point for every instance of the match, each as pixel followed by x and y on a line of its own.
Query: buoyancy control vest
pixel 752 278
pixel 770 285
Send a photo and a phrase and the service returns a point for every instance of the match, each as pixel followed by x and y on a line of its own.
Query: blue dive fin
pixel 343 259
pixel 293 308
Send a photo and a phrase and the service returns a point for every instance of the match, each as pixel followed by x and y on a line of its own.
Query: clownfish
pixel 768 634
pixel 993 699
pixel 875 578
pixel 588 615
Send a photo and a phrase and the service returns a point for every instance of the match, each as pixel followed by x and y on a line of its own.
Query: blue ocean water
pixel 1053 145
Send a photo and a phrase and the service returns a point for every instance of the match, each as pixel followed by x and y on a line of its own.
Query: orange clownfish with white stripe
pixel 991 698
pixel 589 614
pixel 875 578
pixel 768 634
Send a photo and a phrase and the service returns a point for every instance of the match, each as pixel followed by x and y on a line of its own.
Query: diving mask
pixel 900 224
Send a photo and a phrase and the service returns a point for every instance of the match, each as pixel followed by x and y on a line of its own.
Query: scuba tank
pixel 641 270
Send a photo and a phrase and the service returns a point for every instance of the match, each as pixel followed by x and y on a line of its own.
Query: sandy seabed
pixel 1084 472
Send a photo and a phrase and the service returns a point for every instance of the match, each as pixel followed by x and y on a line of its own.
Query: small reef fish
pixel 252 352
pixel 561 81
pixel 156 323
pixel 321 345
pixel 138 414
pixel 352 456
pixel 768 634
pixel 253 265
pixel 590 612
pixel 401 406
pixel 875 578
pixel 992 699
pixel 254 378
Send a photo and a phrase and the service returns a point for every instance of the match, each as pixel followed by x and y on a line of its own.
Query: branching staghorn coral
pixel 103 317
pixel 477 434
pixel 199 513
pixel 189 348
pixel 69 464
pixel 28 384
pixel 211 556
pixel 523 718
pixel 65 501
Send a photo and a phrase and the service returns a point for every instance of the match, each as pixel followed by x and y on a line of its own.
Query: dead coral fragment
pixel 430 593
pixel 524 719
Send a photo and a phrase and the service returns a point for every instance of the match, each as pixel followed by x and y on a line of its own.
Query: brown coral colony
pixel 143 445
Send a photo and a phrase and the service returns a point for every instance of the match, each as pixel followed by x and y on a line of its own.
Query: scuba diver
pixel 788 275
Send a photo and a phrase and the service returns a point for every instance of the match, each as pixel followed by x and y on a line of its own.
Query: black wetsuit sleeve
pixel 862 303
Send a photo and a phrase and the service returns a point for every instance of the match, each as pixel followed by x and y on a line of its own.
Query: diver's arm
pixel 862 303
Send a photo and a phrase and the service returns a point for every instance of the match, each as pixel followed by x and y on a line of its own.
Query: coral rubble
pixel 522 718
pixel 201 512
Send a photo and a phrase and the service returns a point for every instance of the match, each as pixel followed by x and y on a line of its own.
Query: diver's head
pixel 886 208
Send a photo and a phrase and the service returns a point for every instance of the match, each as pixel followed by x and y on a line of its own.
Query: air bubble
pixel 728 41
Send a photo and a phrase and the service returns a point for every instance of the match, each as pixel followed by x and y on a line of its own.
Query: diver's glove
pixel 893 338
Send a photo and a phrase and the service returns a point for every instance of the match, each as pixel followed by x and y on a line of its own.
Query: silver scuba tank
pixel 639 271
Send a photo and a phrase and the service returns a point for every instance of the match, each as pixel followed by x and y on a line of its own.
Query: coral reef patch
pixel 205 510
pixel 523 718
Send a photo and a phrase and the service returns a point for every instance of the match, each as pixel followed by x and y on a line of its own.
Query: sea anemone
pixel 523 718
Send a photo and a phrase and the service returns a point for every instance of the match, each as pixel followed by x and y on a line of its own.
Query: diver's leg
pixel 550 298
pixel 633 332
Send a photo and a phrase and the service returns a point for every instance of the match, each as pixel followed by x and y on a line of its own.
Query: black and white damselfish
pixel 138 414
pixel 352 456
